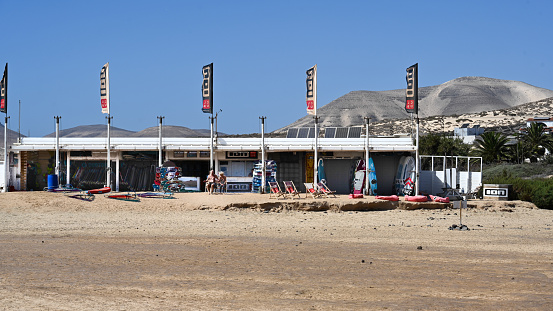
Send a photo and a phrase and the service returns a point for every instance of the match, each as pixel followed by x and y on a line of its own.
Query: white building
pixel 468 134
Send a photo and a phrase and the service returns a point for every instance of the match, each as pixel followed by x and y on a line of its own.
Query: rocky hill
pixel 507 120
pixel 100 130
pixel 455 97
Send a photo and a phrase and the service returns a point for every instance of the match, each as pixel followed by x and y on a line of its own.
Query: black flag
pixel 207 88
pixel 4 91
pixel 412 91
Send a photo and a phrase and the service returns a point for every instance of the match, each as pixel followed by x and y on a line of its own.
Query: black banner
pixel 412 91
pixel 207 88
pixel 4 91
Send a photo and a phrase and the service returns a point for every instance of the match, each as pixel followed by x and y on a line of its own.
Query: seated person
pixel 211 181
pixel 222 182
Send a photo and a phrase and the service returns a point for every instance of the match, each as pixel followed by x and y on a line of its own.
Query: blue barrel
pixel 52 182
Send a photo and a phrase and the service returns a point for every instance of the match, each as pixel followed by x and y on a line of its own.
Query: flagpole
pixel 108 147
pixel 160 160
pixel 368 189
pixel 417 164
pixel 263 168
pixel 316 161
pixel 57 167
pixel 108 172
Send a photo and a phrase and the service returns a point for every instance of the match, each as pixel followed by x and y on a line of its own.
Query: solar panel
pixel 330 132
pixel 464 126
pixel 354 132
pixel 341 132
pixel 292 133
pixel 303 132
pixel 311 132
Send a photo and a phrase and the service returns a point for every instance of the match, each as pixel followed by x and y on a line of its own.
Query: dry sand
pixel 250 252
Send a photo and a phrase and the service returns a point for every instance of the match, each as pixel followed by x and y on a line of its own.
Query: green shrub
pixel 538 191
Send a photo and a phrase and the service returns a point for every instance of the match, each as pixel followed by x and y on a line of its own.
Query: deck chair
pixel 291 189
pixel 309 188
pixel 323 189
pixel 275 190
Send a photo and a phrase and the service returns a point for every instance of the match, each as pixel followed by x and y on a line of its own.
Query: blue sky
pixel 260 50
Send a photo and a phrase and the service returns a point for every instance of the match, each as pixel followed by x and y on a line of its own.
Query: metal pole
pixel 368 189
pixel 316 160
pixel 211 145
pixel 160 140
pixel 68 168
pixel 108 147
pixel 57 167
pixel 417 160
pixel 263 168
pixel 117 164
pixel 19 126
pixel 6 165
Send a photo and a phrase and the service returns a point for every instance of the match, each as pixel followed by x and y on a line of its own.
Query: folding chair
pixel 323 189
pixel 291 188
pixel 275 190
pixel 309 188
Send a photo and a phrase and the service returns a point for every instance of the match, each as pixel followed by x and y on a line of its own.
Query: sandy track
pixel 64 254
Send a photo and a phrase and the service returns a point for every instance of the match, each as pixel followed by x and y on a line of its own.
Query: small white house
pixel 547 121
pixel 468 134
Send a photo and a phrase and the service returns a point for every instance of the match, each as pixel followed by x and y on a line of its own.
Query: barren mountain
pixel 507 120
pixel 100 130
pixel 97 130
pixel 170 131
pixel 458 96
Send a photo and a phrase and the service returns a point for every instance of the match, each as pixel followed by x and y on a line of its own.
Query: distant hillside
pixel 100 130
pixel 507 120
pixel 171 131
pixel 97 130
pixel 458 96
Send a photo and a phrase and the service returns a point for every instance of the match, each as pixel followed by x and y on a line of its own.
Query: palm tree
pixel 536 141
pixel 491 146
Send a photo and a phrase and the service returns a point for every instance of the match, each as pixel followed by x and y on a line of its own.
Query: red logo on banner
pixel 410 104
pixel 104 103
pixel 2 103
pixel 310 104
pixel 206 104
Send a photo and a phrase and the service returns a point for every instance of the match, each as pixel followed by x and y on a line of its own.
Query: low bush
pixel 538 191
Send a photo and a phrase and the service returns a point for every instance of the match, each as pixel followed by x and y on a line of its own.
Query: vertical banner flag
pixel 412 91
pixel 311 96
pixel 104 88
pixel 207 88
pixel 4 91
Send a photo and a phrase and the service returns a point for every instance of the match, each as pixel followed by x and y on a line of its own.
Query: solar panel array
pixel 301 132
pixel 292 133
pixel 343 132
pixel 354 132
pixel 330 132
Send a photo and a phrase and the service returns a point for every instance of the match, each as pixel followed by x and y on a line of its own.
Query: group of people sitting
pixel 214 182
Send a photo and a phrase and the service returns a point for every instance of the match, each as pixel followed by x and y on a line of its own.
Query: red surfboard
pixel 100 190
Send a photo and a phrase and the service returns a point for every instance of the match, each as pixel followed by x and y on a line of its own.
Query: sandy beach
pixel 252 252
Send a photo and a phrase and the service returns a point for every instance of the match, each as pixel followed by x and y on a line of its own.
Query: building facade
pixel 83 161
